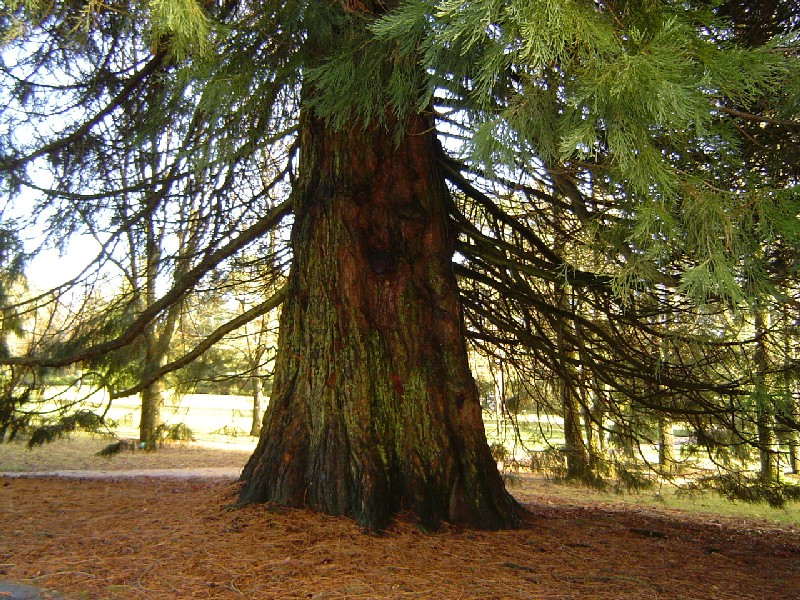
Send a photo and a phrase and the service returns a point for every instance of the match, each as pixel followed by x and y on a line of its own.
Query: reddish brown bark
pixel 374 409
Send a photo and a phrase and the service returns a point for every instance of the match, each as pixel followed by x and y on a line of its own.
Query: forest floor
pixel 162 537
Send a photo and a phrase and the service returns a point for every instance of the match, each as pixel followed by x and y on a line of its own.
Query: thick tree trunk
pixel 374 409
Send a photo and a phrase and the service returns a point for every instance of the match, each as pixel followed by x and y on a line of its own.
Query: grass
pixel 79 452
pixel 524 434
pixel 210 416
pixel 206 415
pixel 669 497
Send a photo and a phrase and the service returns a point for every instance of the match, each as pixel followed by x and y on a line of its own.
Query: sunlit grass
pixel 663 496
pixel 211 417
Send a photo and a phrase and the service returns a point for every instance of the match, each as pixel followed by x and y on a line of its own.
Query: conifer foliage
pixel 600 193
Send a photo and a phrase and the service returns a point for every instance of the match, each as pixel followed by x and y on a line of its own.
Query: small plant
pixel 178 432
pixel 229 431
pixel 551 462
pixel 632 480
pixel 119 446
pixel 499 452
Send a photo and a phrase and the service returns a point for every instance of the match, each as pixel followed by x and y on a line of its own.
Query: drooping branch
pixel 215 336
pixel 152 65
pixel 180 287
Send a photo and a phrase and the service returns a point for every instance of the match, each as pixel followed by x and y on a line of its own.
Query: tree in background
pixel 614 149
pixel 241 362
pixel 154 216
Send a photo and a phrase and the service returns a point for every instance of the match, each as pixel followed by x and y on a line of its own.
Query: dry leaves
pixel 152 538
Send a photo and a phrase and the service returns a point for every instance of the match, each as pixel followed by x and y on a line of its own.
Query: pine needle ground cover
pixel 165 538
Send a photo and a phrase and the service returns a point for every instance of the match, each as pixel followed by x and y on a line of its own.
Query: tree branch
pixel 179 289
pixel 260 309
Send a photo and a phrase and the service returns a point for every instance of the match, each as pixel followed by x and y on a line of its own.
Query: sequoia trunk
pixel 373 408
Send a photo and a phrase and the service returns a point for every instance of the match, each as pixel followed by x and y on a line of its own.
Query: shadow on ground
pixel 16 591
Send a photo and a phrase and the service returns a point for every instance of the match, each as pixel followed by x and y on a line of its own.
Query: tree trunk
pixel 498 377
pixel 153 395
pixel 666 445
pixel 156 341
pixel 765 423
pixel 793 462
pixel 791 436
pixel 374 409
pixel 575 450
pixel 258 402
pixel 578 467
pixel 150 421
pixel 592 433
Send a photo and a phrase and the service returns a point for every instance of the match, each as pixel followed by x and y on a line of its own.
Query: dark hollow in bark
pixel 374 409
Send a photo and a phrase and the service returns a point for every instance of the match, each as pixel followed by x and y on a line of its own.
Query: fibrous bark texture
pixel 374 409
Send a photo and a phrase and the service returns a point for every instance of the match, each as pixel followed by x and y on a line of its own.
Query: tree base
pixel 374 409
